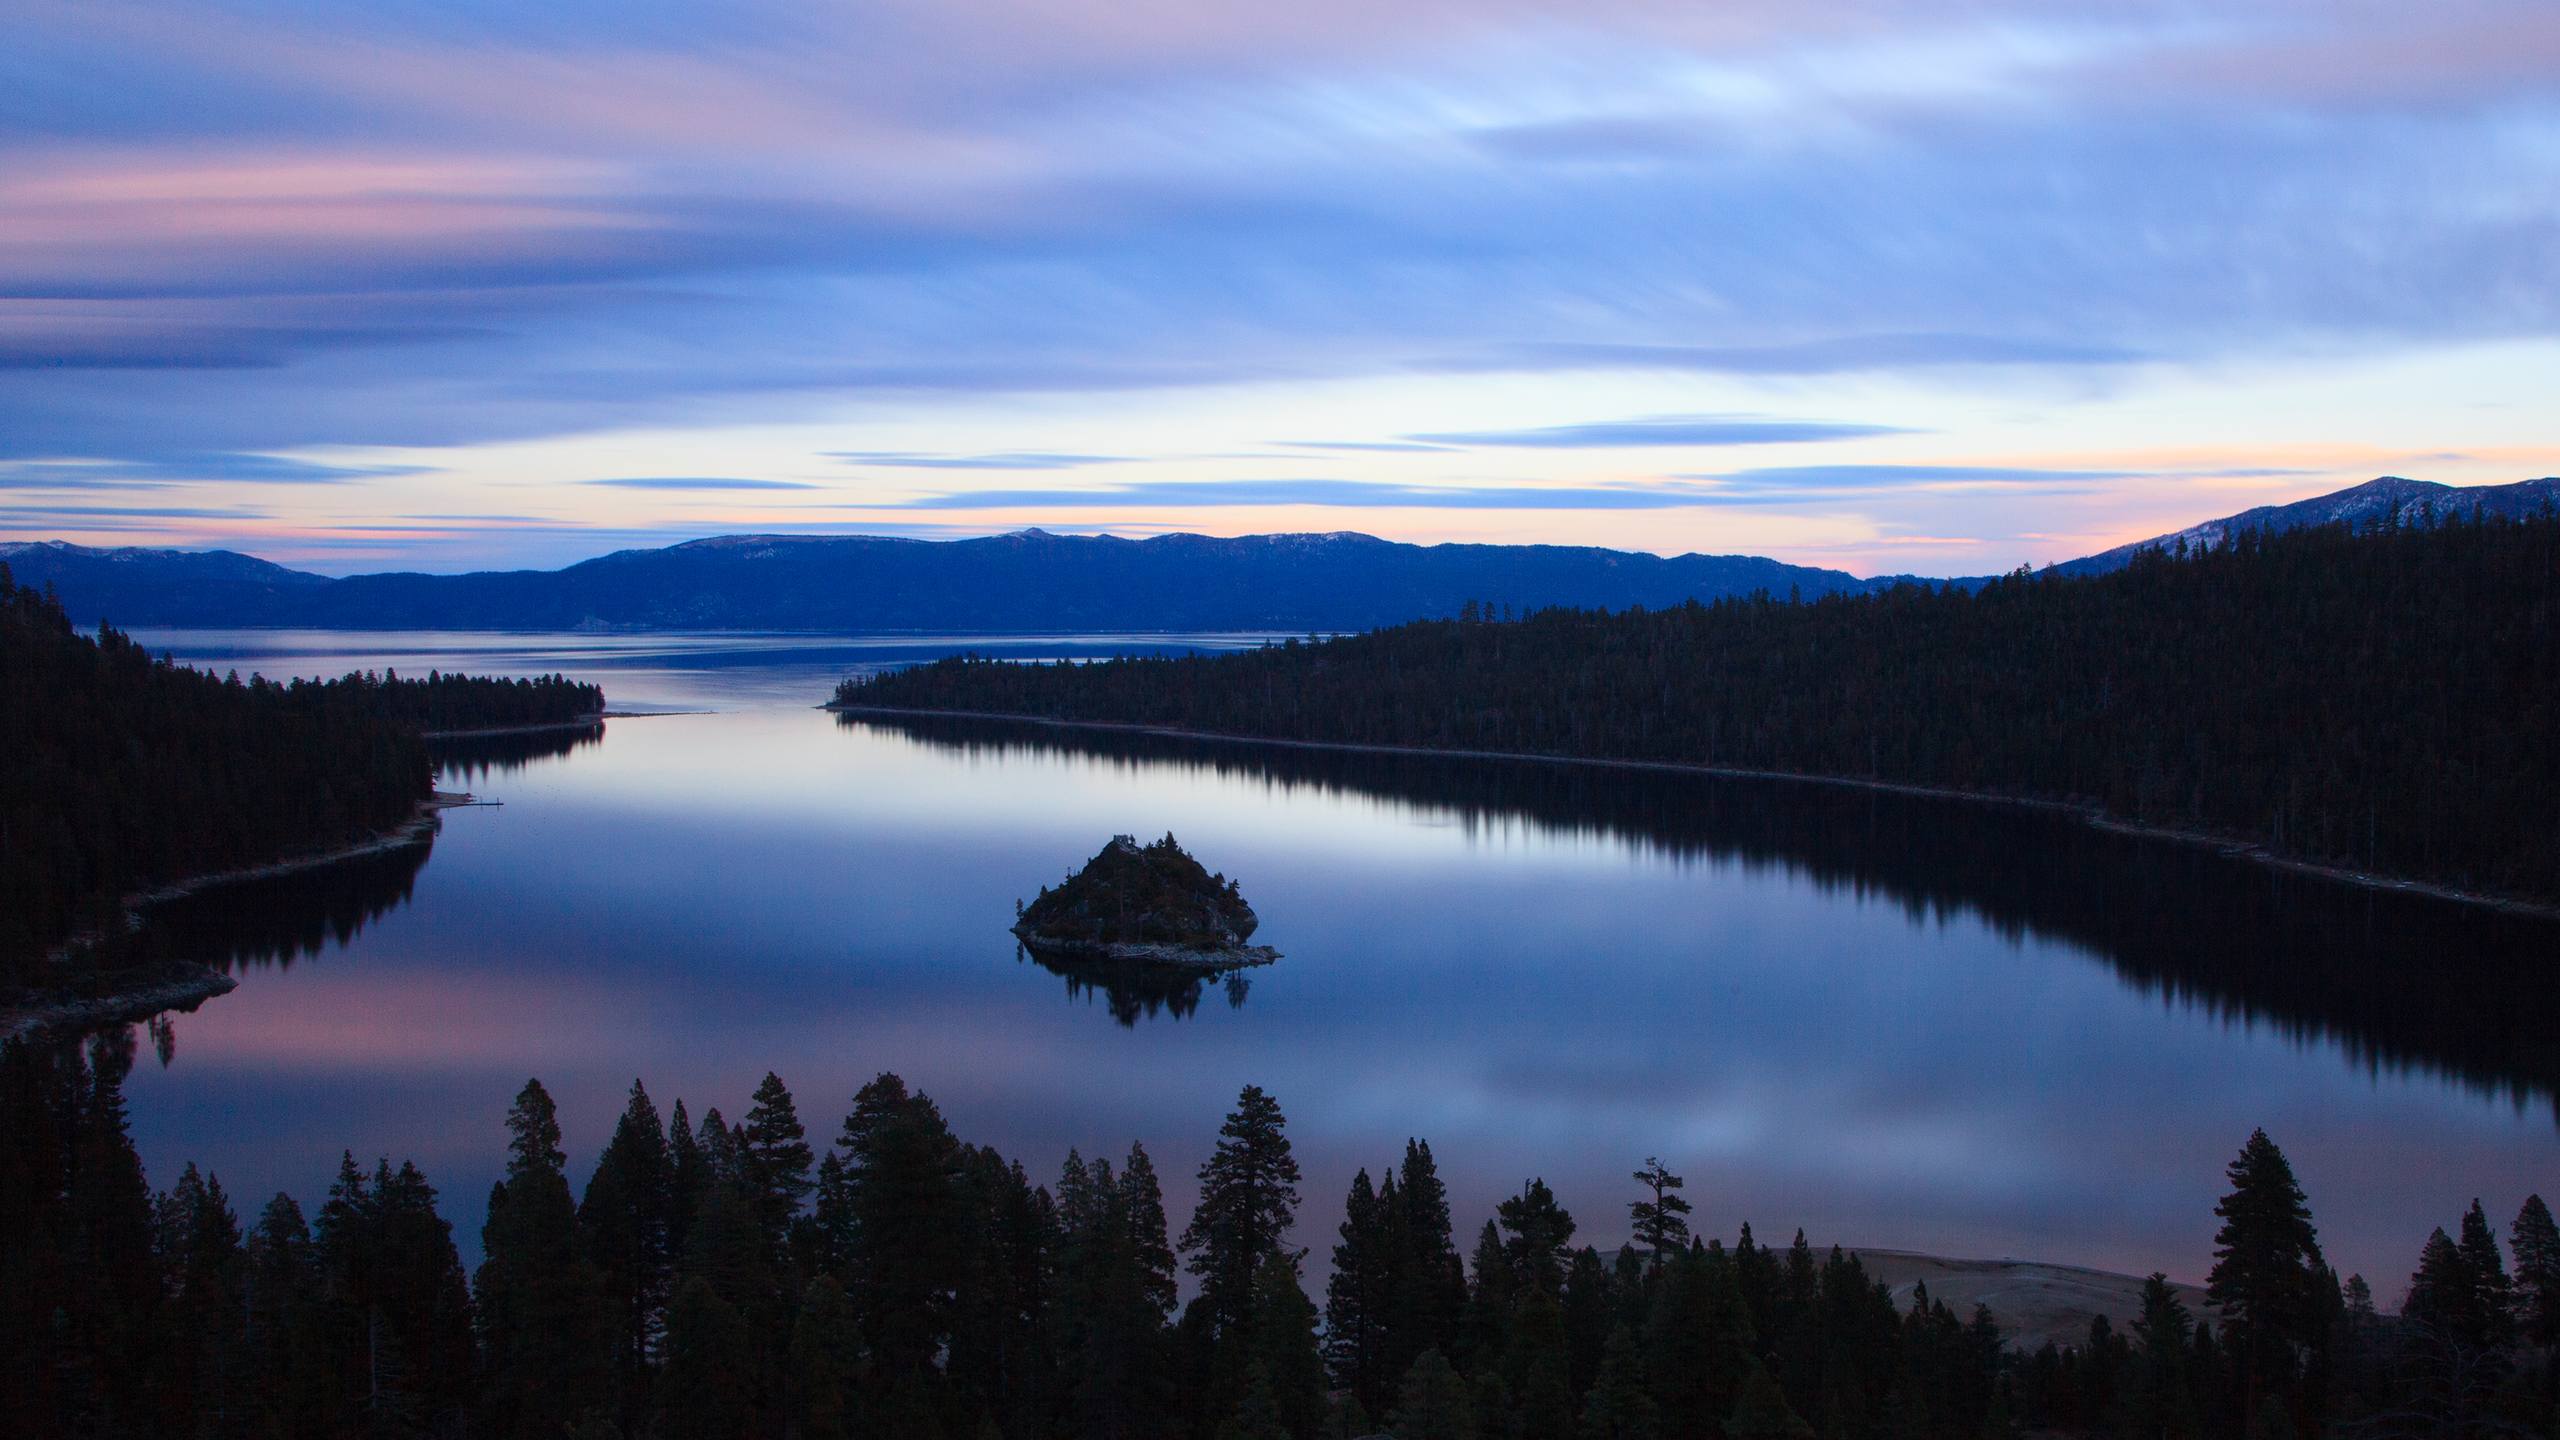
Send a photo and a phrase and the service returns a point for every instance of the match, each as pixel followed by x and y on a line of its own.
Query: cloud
pixel 1827 356
pixel 339 226
pixel 104 517
pixel 1886 477
pixel 1388 447
pixel 114 472
pixel 1008 460
pixel 1351 494
pixel 1664 430
pixel 697 482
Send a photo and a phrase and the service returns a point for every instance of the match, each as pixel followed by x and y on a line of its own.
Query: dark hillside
pixel 2381 700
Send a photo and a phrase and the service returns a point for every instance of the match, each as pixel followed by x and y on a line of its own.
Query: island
pixel 1149 904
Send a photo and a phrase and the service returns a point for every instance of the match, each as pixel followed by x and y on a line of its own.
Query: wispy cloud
pixel 80 472
pixel 1332 493
pixel 697 482
pixel 1664 431
pixel 1006 460
pixel 1886 477
pixel 1381 447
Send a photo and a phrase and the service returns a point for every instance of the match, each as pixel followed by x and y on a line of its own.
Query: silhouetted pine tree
pixel 1248 1200
pixel 777 1161
pixel 622 1229
pixel 2536 1240
pixel 2266 1258
pixel 1661 1223
pixel 543 1322
pixel 1428 1286
pixel 903 1177
pixel 1358 1295
pixel 1280 1344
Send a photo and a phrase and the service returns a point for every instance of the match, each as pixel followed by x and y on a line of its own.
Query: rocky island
pixel 1148 904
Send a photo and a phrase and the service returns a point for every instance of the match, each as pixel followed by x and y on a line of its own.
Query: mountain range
pixel 1032 580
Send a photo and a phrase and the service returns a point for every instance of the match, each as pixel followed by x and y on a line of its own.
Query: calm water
pixel 1905 1024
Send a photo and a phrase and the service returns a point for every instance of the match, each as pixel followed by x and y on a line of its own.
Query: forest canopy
pixel 127 772
pixel 2381 700
pixel 720 1280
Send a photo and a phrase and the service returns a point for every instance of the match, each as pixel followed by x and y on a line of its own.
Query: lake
pixel 1894 1022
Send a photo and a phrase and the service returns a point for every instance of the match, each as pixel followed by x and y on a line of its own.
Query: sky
pixel 1939 288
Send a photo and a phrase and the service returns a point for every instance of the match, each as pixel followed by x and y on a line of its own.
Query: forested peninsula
pixel 2377 701
pixel 128 774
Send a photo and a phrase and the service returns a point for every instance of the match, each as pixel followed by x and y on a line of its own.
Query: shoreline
pixel 183 985
pixel 587 722
pixel 2234 846
pixel 583 722
pixel 1166 957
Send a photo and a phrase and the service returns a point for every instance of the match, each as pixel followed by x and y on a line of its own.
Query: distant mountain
pixel 1031 580
pixel 2375 502
pixel 135 586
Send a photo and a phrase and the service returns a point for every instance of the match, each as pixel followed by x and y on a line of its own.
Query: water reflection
pixel 284 918
pixel 1130 990
pixel 469 759
pixel 2397 981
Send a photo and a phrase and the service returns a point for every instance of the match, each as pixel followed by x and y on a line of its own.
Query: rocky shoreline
pixel 1089 952
pixel 177 985
pixel 126 996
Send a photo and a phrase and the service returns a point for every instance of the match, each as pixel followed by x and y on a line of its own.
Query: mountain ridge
pixel 1033 579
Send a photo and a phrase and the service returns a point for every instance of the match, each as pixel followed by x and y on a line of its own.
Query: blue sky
pixel 1892 286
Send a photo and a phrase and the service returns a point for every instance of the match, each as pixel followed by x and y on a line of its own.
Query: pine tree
pixel 2265 1255
pixel 281 1298
pixel 1484 1330
pixel 1433 1402
pixel 545 1349
pixel 622 1227
pixel 705 1393
pixel 198 1241
pixel 2443 1294
pixel 1429 1281
pixel 1281 1342
pixel 1539 1369
pixel 2160 1403
pixel 2536 1240
pixel 1660 1225
pixel 1248 1200
pixel 1142 1203
pixel 1539 1234
pixel 903 1173
pixel 1589 1315
pixel 826 1351
pixel 1762 1412
pixel 2492 1296
pixel 1256 1415
pixel 777 1160
pixel 827 1241
pixel 1356 1297
pixel 688 1179
pixel 1620 1404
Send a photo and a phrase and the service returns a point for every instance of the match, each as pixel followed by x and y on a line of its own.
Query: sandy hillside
pixel 2033 1303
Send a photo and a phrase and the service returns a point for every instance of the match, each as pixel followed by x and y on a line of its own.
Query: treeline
pixel 126 772
pixel 2379 700
pixel 716 1281
pixel 479 702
